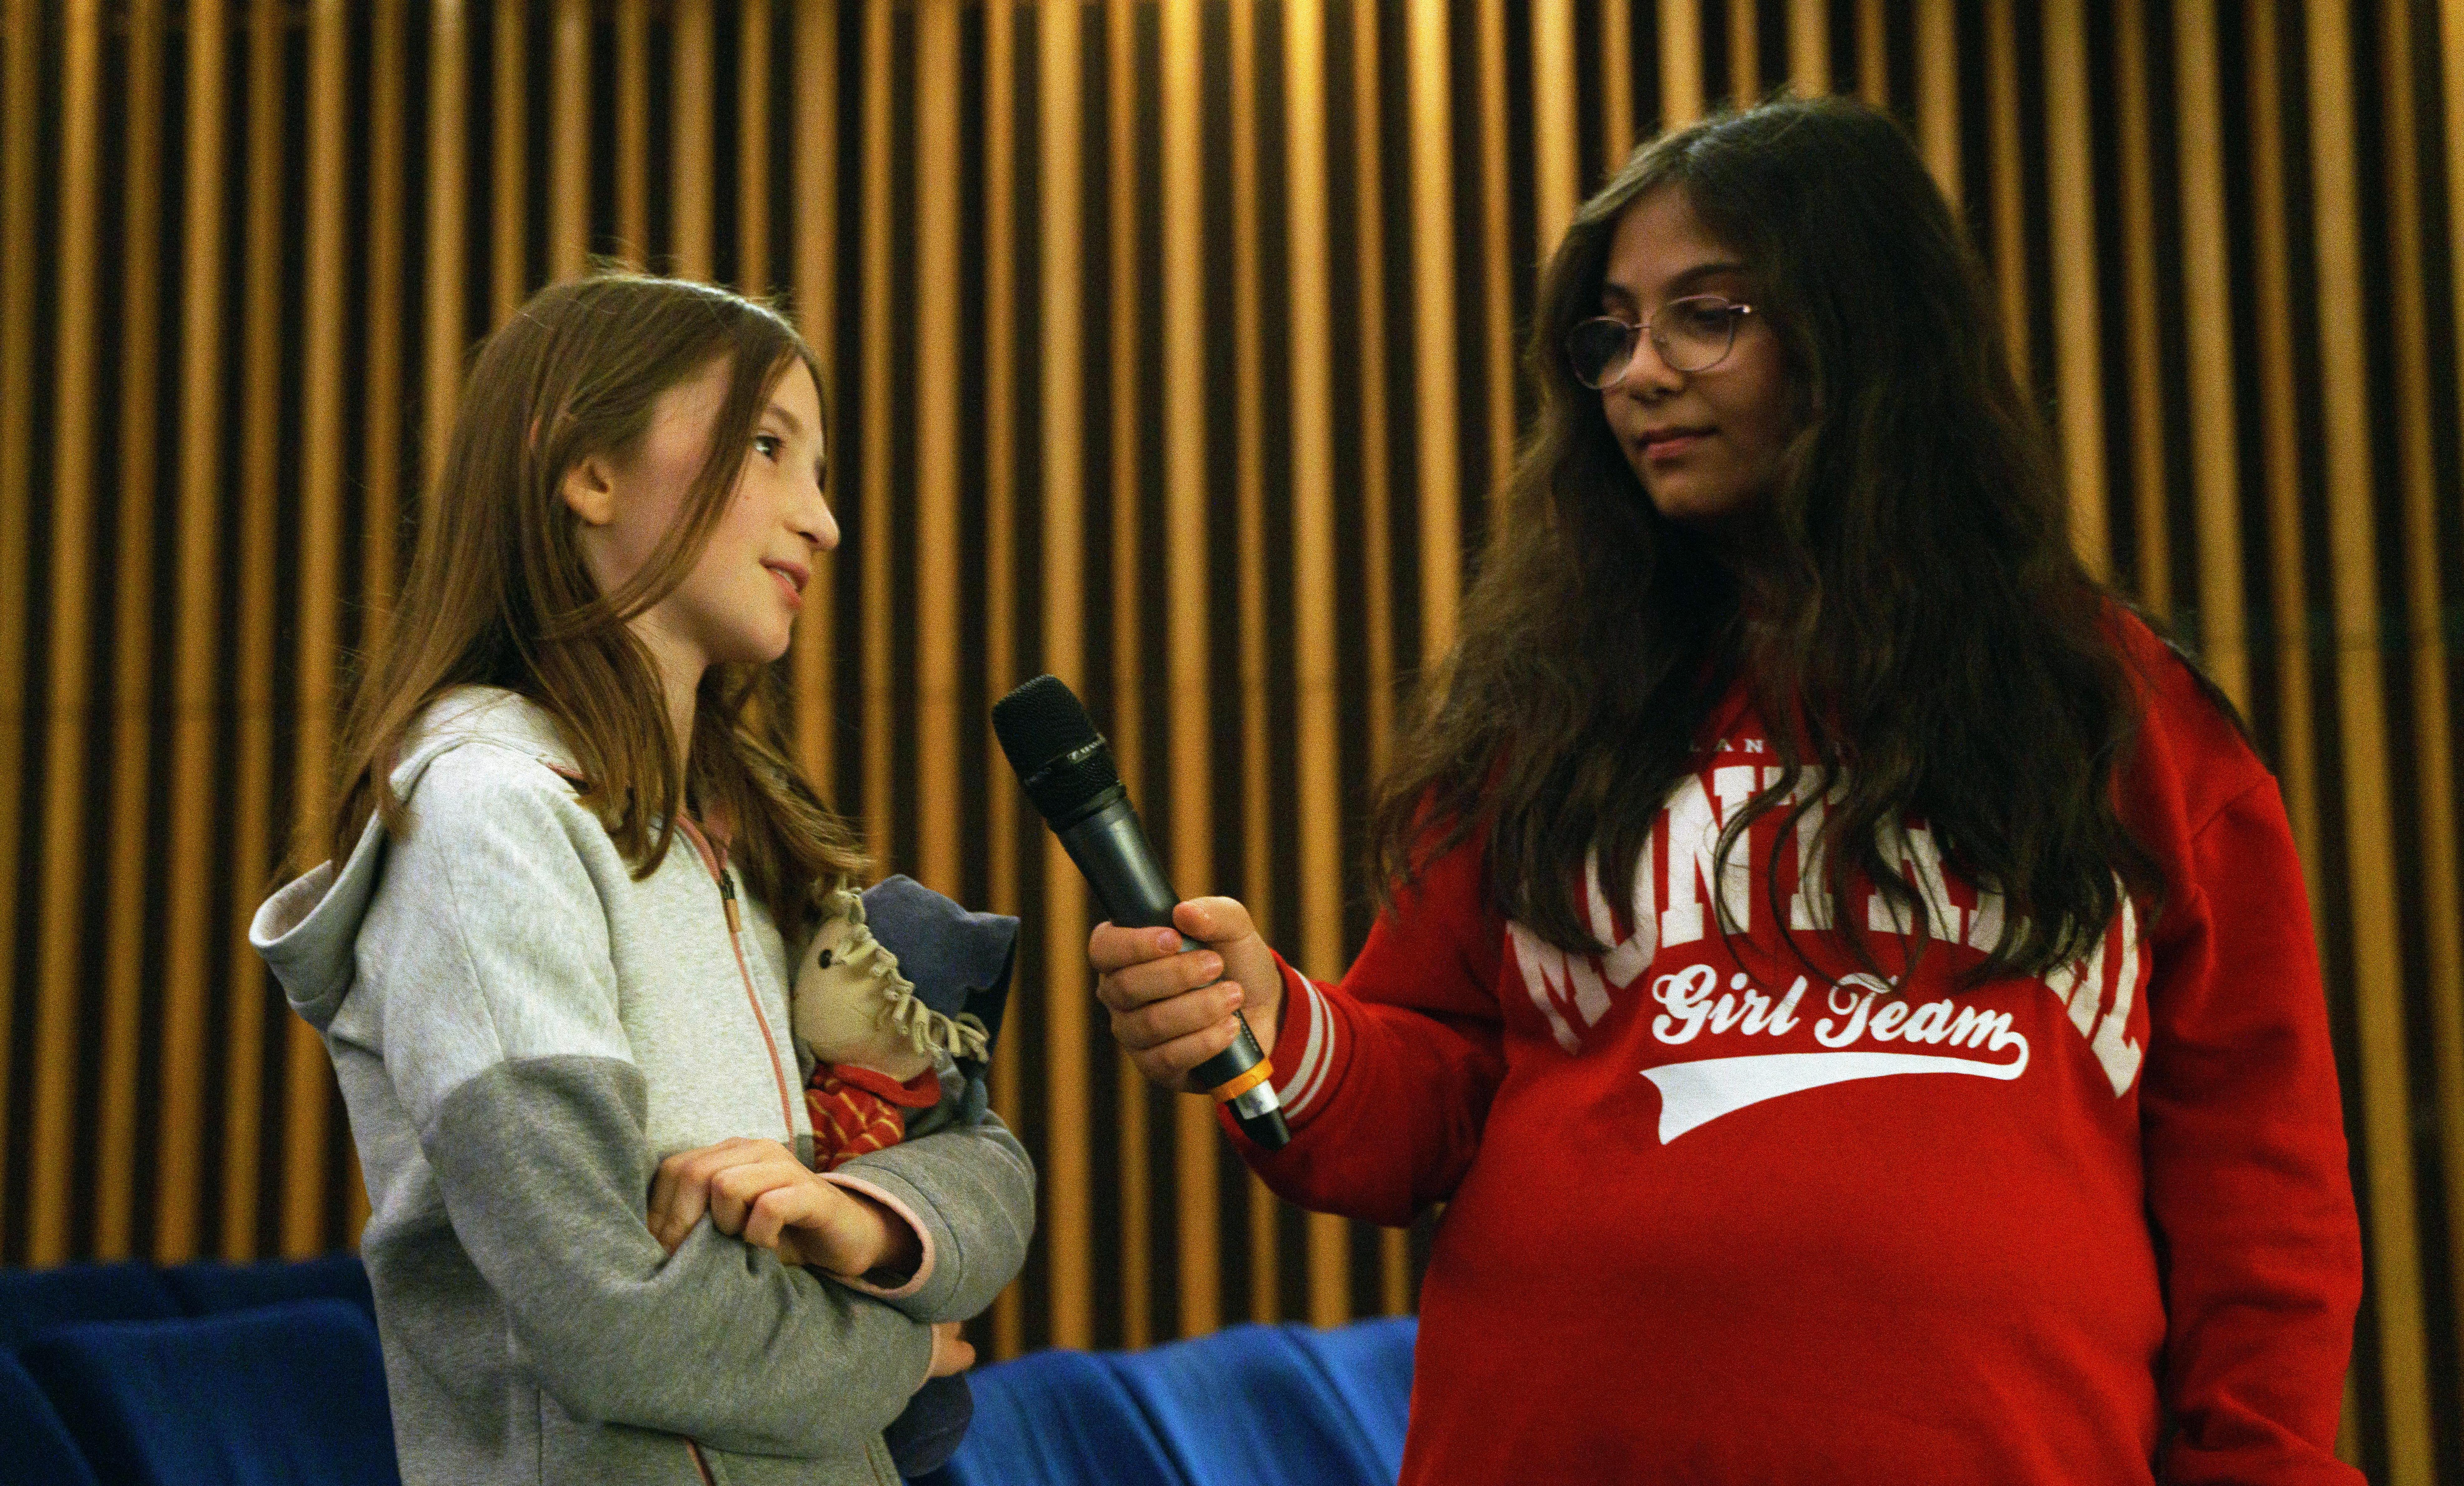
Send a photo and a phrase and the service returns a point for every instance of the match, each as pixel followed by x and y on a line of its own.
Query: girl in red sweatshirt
pixel 1848 980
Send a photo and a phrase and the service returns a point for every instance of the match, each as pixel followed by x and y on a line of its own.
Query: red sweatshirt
pixel 1711 1219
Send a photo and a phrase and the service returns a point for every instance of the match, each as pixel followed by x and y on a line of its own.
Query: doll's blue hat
pixel 959 961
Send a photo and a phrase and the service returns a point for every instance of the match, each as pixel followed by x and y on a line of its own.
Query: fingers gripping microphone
pixel 1066 769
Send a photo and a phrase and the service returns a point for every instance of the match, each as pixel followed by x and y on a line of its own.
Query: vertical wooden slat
pixel 2361 715
pixel 753 147
pixel 874 524
pixel 19 252
pixel 1497 246
pixel 1062 435
pixel 1744 53
pixel 1617 84
pixel 937 549
pixel 1438 446
pixel 569 130
pixel 1314 580
pixel 1001 543
pixel 116 1172
pixel 1186 606
pixel 2010 203
pixel 1122 130
pixel 307 1101
pixel 816 209
pixel 1329 1237
pixel 1249 499
pixel 2142 352
pixel 2279 431
pixel 2447 1015
pixel 2078 398
pixel 2207 322
pixel 508 182
pixel 445 90
pixel 2417 466
pixel 633 131
pixel 179 1134
pixel 1556 161
pixel 691 150
pixel 1938 94
pixel 1809 47
pixel 1873 53
pixel 252 684
pixel 382 448
pixel 1680 62
pixel 49 1183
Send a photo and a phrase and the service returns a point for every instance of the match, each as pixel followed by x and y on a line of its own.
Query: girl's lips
pixel 1673 443
pixel 787 585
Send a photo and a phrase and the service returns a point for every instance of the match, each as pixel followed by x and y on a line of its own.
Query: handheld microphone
pixel 1067 772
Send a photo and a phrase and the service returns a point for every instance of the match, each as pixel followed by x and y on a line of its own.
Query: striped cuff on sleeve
pixel 1305 1048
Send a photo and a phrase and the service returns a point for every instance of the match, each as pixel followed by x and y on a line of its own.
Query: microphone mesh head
pixel 1039 722
pixel 1064 763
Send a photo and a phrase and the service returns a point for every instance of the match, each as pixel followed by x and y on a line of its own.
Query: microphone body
pixel 1078 792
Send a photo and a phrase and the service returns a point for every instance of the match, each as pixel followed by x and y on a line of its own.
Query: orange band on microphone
pixel 1249 1077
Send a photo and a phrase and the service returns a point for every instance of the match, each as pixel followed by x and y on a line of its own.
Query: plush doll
pixel 897 985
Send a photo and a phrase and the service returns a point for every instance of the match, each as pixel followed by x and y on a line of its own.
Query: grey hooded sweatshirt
pixel 522 1032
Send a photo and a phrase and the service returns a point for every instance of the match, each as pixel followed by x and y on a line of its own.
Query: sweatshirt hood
pixel 308 931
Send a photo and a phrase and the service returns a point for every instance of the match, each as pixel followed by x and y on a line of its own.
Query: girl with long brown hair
pixel 551 949
pixel 1847 979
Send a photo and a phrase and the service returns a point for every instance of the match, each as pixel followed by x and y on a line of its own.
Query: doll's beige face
pixel 838 1010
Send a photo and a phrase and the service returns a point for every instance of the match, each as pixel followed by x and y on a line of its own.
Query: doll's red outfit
pixel 1712 1218
pixel 857 1110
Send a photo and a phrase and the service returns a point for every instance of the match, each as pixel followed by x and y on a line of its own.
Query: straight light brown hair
pixel 499 593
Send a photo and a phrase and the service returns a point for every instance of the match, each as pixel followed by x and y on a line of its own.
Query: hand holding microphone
pixel 1172 991
pixel 1178 1017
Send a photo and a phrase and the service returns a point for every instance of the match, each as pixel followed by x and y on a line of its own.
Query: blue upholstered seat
pixel 1255 1405
pixel 207 1288
pixel 38 1451
pixel 280 1395
pixel 32 1301
pixel 1056 1416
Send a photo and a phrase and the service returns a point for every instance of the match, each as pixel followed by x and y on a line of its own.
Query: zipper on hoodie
pixel 725 877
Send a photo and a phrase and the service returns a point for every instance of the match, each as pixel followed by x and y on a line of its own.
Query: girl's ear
pixel 589 489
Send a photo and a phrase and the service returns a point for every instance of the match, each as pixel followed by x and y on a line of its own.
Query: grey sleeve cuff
pixel 972 1190
pixel 546 1175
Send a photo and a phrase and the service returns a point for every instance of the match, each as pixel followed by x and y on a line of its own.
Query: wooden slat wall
pixel 1173 351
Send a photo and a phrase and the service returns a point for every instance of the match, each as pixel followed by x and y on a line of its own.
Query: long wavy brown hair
pixel 1914 628
pixel 499 593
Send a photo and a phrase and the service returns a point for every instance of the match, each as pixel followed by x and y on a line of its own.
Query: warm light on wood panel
pixel 508 161
pixel 1368 273
pixel 1001 543
pixel 633 131
pixel 179 1134
pixel 2387 1193
pixel 2215 472
pixel 568 232
pixel 1123 66
pixel 2447 1005
pixel 1497 245
pixel 444 248
pixel 254 832
pixel 2417 467
pixel 2009 188
pixel 1061 300
pixel 73 537
pixel 316 676
pixel 18 256
pixel 1809 47
pixel 1744 53
pixel 1937 48
pixel 117 1169
pixel 1430 89
pixel 2144 370
pixel 1186 498
pixel 1617 84
pixel 692 149
pixel 1680 62
pixel 753 147
pixel 1555 144
pixel 816 276
pixel 939 554
pixel 873 521
pixel 2078 395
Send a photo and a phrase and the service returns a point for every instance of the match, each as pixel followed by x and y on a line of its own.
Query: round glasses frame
pixel 1606 344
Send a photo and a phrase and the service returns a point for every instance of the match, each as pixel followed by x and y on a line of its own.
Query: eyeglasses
pixel 1692 334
